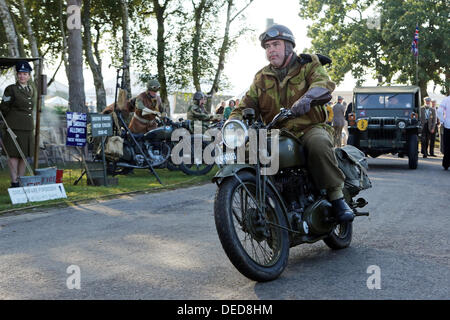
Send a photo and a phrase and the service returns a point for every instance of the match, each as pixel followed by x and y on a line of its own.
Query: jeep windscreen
pixel 381 101
pixel 384 105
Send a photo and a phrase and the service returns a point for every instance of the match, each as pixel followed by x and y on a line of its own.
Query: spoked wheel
pixel 255 243
pixel 341 237
pixel 195 165
pixel 171 166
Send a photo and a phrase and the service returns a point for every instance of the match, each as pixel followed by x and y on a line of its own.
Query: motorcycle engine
pixel 295 188
pixel 308 213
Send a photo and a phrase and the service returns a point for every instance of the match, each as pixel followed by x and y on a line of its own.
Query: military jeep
pixel 386 120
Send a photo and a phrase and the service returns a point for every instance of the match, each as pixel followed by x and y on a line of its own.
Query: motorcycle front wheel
pixel 256 244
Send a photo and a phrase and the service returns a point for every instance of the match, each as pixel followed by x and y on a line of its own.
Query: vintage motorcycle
pixel 194 165
pixel 259 217
pixel 151 150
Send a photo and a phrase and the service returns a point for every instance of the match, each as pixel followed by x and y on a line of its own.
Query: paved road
pixel 138 247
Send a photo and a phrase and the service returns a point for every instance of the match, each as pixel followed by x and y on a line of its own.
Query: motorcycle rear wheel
pixel 196 167
pixel 259 252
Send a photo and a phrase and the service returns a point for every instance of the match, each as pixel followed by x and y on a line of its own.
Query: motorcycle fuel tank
pixel 291 152
pixel 160 133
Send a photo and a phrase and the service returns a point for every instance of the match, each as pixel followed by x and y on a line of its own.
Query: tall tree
pixel 26 21
pixel 126 45
pixel 77 96
pixel 93 56
pixel 382 47
pixel 226 44
pixel 10 30
pixel 160 11
pixel 201 18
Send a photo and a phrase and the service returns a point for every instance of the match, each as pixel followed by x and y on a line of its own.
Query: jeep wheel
pixel 413 151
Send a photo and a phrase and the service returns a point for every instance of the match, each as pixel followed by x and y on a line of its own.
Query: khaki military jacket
pixel 198 113
pixel 267 95
pixel 143 123
pixel 17 106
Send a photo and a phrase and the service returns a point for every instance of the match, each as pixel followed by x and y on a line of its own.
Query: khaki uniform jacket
pixel 267 95
pixel 17 106
pixel 432 119
pixel 198 113
pixel 140 123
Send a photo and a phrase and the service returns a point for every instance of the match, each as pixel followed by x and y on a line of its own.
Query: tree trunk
pixel 223 50
pixel 423 88
pixel 198 14
pixel 62 27
pixel 10 31
pixel 126 46
pixel 96 67
pixel 31 38
pixel 160 56
pixel 76 80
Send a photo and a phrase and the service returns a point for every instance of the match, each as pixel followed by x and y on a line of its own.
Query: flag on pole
pixel 415 43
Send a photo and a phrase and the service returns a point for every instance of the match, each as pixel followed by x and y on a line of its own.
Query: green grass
pixel 140 181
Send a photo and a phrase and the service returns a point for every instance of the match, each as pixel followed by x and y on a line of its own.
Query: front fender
pixel 230 170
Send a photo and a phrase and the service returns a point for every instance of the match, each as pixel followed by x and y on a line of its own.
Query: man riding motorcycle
pixel 146 106
pixel 301 84
pixel 197 111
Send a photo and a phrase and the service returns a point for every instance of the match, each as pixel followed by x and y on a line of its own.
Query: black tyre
pixel 196 166
pixel 413 151
pixel 255 246
pixel 340 237
pixel 171 166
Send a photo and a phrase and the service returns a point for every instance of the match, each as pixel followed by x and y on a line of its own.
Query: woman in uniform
pixel 18 103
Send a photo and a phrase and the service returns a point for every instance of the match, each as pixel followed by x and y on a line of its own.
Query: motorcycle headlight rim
pixel 229 139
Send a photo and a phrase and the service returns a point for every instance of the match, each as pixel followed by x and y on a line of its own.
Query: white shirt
pixel 443 112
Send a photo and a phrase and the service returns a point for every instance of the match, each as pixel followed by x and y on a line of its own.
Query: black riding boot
pixel 342 211
pixel 15 185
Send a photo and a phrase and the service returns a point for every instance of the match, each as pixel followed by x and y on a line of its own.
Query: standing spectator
pixel 236 103
pixel 433 135
pixel 19 101
pixel 338 121
pixel 444 115
pixel 220 108
pixel 229 109
pixel 429 120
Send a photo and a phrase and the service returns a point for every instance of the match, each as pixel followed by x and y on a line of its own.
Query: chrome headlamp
pixel 401 124
pixel 234 134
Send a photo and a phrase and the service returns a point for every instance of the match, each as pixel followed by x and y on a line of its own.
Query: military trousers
pixel 338 135
pixel 322 162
